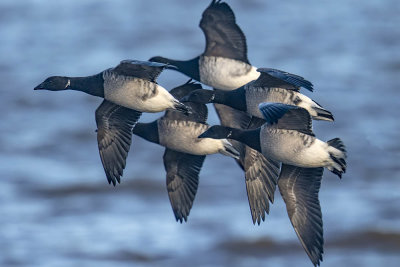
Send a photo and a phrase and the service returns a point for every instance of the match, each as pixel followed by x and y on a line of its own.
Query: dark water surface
pixel 56 207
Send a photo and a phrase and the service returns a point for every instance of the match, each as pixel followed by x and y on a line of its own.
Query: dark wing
pixel 261 177
pixel 287 117
pixel 114 136
pixel 185 89
pixel 281 79
pixel 224 38
pixel 231 117
pixel 140 69
pixel 199 111
pixel 260 173
pixel 182 180
pixel 299 188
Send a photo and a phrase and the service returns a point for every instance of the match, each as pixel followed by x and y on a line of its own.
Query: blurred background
pixel 56 206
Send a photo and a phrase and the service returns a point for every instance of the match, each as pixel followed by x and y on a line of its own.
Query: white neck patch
pixel 68 84
pixel 212 97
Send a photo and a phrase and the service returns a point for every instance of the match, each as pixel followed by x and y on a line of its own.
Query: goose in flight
pixel 272 86
pixel 288 138
pixel 132 85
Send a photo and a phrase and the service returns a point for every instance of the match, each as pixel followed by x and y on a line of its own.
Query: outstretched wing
pixel 182 180
pixel 140 69
pixel 224 38
pixel 281 79
pixel 299 188
pixel 287 117
pixel 199 111
pixel 114 136
pixel 261 178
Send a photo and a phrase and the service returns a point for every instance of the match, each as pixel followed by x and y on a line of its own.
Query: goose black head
pixel 54 83
pixel 158 59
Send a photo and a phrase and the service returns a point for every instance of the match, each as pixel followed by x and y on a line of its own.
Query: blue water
pixel 56 206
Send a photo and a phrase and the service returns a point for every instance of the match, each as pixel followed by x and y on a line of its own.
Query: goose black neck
pixel 187 67
pixel 235 99
pixel 148 131
pixel 249 137
pixel 92 85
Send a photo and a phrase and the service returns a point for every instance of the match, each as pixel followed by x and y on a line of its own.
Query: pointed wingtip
pixel 180 218
pixel 112 181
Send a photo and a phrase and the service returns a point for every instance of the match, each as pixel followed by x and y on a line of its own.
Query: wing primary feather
pixel 299 188
pixel 114 127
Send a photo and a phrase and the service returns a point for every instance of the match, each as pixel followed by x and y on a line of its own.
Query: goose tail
pixel 323 114
pixel 229 150
pixel 338 155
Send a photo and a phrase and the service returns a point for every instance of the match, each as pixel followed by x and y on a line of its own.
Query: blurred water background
pixel 56 206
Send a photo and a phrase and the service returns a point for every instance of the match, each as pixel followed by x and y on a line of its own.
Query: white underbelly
pixel 182 136
pixel 315 156
pixel 137 94
pixel 225 73
pixel 295 149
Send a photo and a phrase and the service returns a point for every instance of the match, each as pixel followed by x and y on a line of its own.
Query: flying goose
pixel 224 64
pixel 272 86
pixel 184 154
pixel 287 137
pixel 131 84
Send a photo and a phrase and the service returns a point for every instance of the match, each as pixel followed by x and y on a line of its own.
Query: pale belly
pixel 182 137
pixel 137 94
pixel 295 149
pixel 225 73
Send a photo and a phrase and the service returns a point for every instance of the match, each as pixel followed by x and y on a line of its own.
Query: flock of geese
pixel 266 119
